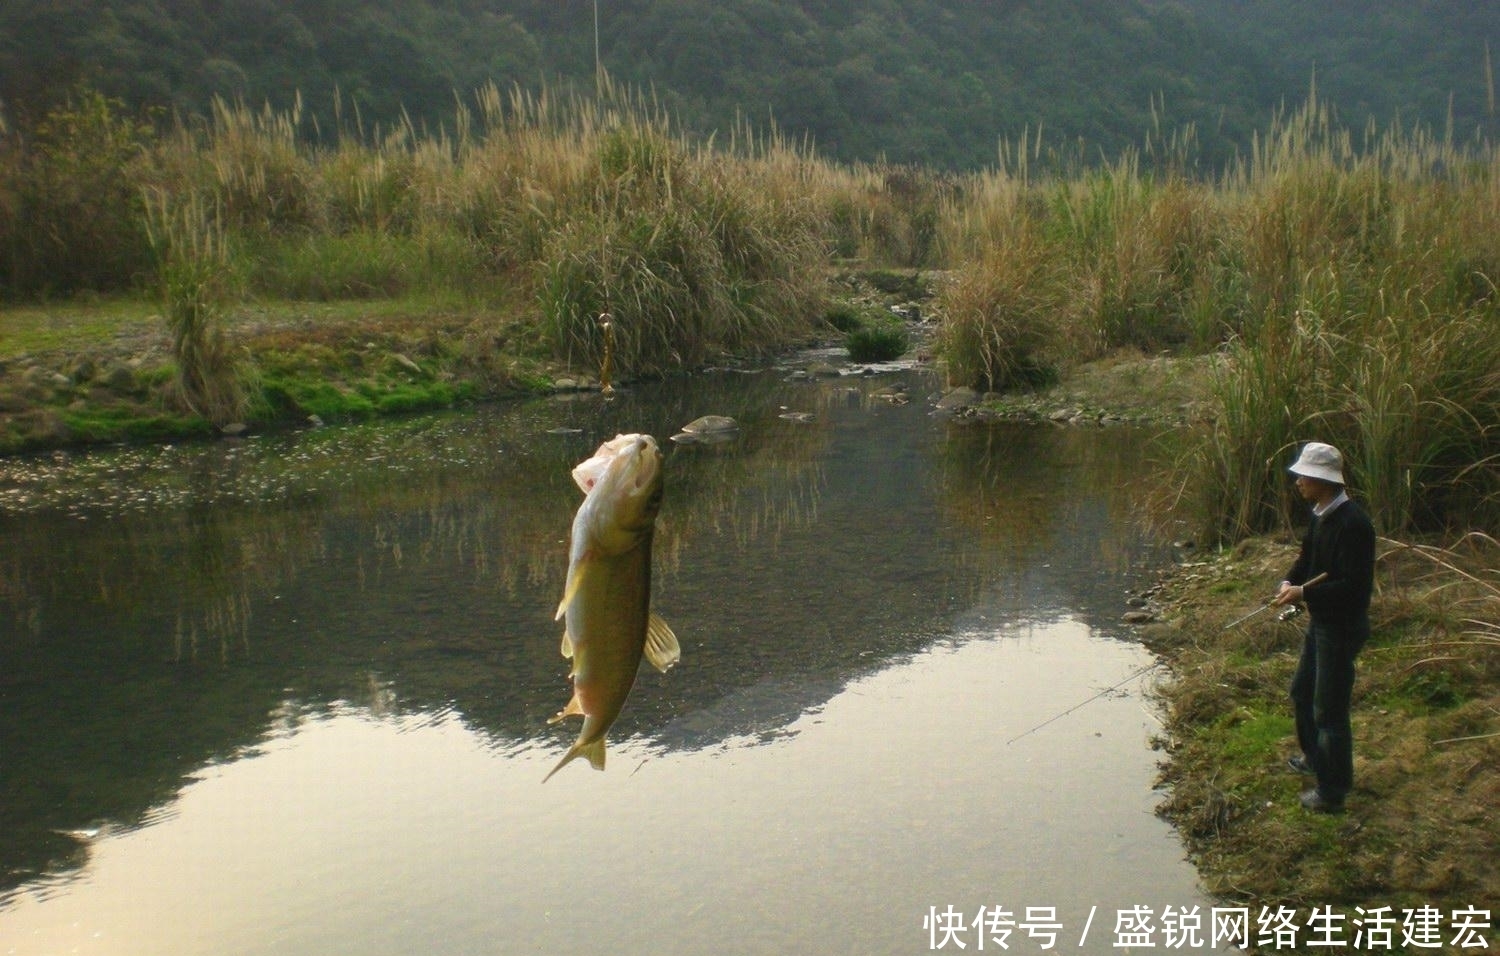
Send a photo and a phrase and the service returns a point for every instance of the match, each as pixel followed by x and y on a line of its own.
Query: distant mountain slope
pixel 1414 59
pixel 940 82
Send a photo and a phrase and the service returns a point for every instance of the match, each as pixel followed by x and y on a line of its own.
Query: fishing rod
pixel 1291 612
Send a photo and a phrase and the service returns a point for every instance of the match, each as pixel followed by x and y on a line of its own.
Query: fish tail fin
pixel 593 750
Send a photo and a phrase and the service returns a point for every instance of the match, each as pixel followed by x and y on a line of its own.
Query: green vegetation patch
pixel 843 316
pixel 906 285
pixel 876 336
pixel 389 397
pixel 288 397
pixel 77 325
pixel 1253 736
pixel 115 424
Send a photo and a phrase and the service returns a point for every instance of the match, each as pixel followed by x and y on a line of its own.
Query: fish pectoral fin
pixel 574 709
pixel 662 649
pixel 570 590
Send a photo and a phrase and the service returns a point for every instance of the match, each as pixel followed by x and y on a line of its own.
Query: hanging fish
pixel 606 603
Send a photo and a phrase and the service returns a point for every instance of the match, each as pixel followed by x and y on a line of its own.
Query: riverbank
pixel 1420 828
pixel 91 372
pixel 102 371
pixel 95 371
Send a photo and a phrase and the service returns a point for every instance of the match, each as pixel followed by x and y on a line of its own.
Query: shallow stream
pixel 289 694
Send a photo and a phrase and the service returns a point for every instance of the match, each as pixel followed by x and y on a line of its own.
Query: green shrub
pixel 70 204
pixel 879 338
pixel 843 316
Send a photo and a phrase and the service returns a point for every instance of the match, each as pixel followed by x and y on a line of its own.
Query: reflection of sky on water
pixel 411 833
pixel 337 651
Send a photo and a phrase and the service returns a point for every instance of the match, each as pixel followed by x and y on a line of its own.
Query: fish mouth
pixel 628 462
pixel 643 464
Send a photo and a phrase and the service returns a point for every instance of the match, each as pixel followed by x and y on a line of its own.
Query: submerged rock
pixel 958 399
pixel 708 429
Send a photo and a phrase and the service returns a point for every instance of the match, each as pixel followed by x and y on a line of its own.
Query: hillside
pixel 937 82
pixel 1421 58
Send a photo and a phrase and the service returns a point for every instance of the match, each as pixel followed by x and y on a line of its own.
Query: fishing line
pixel 606 320
pixel 1149 667
pixel 1113 687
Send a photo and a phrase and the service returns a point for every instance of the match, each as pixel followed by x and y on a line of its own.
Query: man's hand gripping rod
pixel 1272 603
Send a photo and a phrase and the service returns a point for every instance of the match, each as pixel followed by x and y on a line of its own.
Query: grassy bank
pixel 477 257
pixel 246 269
pixel 76 373
pixel 1420 828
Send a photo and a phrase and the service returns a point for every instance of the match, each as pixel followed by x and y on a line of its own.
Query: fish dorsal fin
pixel 662 649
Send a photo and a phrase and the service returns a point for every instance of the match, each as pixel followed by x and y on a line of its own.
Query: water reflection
pixel 386 835
pixel 171 611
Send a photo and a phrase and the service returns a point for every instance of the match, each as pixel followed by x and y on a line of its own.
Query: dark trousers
pixel 1321 691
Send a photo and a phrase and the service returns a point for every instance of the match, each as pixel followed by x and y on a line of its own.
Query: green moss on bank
pixel 93 372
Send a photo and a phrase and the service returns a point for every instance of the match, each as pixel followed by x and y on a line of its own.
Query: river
pixel 289 694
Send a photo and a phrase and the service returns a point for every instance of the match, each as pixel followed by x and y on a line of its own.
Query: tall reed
pixel 1347 277
pixel 193 272
pixel 1003 327
pixel 675 242
pixel 1372 322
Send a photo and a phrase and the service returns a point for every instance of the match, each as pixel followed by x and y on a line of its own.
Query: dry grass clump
pixel 192 269
pixel 561 207
pixel 1349 281
pixel 1002 328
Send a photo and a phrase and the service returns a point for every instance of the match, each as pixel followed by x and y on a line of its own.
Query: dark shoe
pixel 1316 802
pixel 1299 764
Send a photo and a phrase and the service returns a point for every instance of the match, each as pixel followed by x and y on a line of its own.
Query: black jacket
pixel 1342 543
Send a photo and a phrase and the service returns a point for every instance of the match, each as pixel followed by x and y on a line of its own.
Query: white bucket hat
pixel 1319 461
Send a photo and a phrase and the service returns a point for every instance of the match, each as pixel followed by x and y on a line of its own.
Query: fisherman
pixel 1340 543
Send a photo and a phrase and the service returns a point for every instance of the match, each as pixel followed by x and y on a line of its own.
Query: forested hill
pixel 939 82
